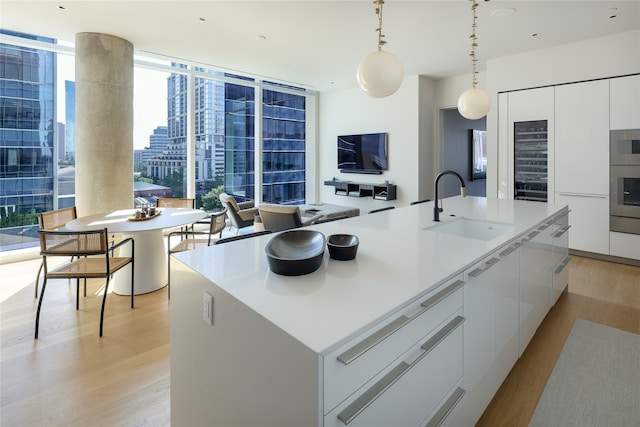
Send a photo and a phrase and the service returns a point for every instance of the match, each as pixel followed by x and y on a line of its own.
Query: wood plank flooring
pixel 71 377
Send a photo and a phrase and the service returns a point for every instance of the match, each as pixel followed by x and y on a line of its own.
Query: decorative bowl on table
pixel 295 252
pixel 343 247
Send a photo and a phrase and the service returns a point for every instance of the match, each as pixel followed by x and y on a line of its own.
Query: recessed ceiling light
pixel 612 13
pixel 535 34
pixel 503 11
pixel 260 37
pixel 202 19
pixel 62 7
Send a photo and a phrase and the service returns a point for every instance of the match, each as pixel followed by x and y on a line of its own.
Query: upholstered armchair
pixel 241 214
pixel 283 217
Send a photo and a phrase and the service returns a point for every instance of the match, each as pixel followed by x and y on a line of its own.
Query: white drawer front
pixel 350 366
pixel 411 388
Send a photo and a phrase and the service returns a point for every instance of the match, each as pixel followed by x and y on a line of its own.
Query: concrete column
pixel 104 123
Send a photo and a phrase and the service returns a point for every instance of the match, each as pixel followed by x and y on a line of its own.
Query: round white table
pixel 150 266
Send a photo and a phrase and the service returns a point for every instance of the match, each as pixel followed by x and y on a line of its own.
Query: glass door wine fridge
pixel 530 160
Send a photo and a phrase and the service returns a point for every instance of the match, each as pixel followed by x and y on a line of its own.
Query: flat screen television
pixel 363 153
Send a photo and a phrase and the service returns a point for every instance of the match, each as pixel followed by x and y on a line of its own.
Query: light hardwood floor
pixel 71 377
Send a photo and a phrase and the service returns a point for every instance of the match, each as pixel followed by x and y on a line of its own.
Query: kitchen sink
pixel 472 228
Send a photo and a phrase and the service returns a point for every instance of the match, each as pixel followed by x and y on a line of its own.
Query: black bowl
pixel 343 247
pixel 295 252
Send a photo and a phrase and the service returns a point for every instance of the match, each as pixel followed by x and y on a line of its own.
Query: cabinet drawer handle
pixel 595 196
pixel 545 225
pixel 562 264
pixel 478 271
pixel 444 411
pixel 510 250
pixel 374 339
pixel 533 234
pixel 562 231
pixel 368 397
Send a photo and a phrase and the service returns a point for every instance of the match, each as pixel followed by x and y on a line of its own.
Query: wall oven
pixel 625 181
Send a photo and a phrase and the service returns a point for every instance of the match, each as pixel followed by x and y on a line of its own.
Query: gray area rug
pixel 595 382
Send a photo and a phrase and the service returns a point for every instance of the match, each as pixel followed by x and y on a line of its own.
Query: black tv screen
pixel 365 153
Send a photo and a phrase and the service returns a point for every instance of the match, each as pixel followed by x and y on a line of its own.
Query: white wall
pixel 407 116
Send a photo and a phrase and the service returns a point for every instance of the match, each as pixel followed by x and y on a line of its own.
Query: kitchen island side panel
pixel 242 370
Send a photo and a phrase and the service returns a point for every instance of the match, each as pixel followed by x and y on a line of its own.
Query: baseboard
pixel 602 257
pixel 19 255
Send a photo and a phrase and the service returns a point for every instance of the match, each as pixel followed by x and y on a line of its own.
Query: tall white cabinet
pixel 625 105
pixel 582 162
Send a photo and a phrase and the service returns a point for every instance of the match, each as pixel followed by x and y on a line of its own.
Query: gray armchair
pixel 240 214
pixel 283 217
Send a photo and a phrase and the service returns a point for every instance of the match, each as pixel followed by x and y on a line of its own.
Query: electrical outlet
pixel 207 308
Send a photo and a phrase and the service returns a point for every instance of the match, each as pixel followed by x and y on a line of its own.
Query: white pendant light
pixel 474 103
pixel 380 73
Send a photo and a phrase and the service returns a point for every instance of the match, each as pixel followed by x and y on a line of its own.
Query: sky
pixel 149 99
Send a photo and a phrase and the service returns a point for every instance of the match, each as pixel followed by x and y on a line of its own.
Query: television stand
pixel 382 191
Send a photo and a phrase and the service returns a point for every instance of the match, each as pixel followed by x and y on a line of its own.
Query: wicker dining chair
pixel 93 260
pixel 176 202
pixel 54 220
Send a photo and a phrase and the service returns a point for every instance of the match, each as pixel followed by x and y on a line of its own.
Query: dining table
pixel 150 257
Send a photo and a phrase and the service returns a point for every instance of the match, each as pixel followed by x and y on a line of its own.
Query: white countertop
pixel 397 261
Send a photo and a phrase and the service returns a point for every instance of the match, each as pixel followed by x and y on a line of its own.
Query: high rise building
pixel 158 142
pixel 69 153
pixel 209 132
pixel 27 126
pixel 283 147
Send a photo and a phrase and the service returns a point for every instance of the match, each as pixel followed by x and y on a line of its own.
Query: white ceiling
pixel 318 44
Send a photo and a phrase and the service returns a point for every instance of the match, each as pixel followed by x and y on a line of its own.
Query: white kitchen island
pixel 380 340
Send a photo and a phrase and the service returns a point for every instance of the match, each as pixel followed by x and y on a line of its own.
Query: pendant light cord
pixel 381 41
pixel 474 45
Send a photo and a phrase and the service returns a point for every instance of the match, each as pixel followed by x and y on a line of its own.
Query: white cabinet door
pixel 561 255
pixel 490 331
pixel 507 293
pixel 625 245
pixel 408 390
pixel 625 104
pixel 582 138
pixel 525 106
pixel 536 260
pixel 589 220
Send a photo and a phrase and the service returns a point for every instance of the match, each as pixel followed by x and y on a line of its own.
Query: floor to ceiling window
pixel 283 147
pixel 239 128
pixel 28 151
pixel 203 141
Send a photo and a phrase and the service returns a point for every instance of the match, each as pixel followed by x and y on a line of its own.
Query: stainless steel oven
pixel 625 147
pixel 625 181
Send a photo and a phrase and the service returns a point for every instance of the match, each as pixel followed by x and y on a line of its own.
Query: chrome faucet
pixel 463 191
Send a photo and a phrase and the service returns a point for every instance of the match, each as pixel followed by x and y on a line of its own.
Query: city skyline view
pixel 39 125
